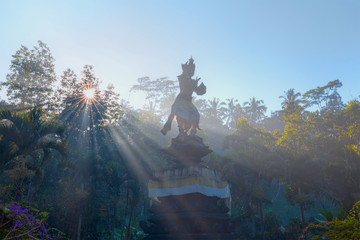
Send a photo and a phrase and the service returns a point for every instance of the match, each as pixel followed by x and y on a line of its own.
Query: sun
pixel 89 94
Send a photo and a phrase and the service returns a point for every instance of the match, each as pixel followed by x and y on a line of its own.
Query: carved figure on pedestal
pixel 191 198
pixel 183 110
pixel 187 149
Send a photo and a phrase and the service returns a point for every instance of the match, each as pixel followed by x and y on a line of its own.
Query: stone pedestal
pixel 191 216
pixel 187 150
pixel 191 203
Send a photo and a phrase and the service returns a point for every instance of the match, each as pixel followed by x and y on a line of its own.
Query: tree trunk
pixel 128 237
pixel 253 232
pixel 109 218
pixel 302 215
pixel 125 214
pixel 262 221
pixel 28 195
pixel 112 237
pixel 302 209
pixel 79 227
pixel 18 190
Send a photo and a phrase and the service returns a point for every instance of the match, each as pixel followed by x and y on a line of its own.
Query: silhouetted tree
pixel 255 110
pixel 291 103
pixel 31 78
pixel 26 140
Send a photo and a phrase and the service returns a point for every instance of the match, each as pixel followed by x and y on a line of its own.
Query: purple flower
pixel 23 221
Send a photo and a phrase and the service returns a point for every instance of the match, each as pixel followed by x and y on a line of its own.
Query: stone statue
pixel 188 149
pixel 183 110
pixel 191 199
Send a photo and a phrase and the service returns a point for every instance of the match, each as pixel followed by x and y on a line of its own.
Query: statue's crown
pixel 189 67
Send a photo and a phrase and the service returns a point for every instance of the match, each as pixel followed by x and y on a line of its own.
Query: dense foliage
pixel 85 159
pixel 337 229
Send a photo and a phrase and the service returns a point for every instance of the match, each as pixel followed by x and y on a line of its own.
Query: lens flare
pixel 89 93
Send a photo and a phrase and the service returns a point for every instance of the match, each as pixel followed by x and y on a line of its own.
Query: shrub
pixel 348 229
pixel 17 223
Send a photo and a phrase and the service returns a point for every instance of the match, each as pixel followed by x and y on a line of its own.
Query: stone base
pixel 191 237
pixel 190 216
pixel 187 149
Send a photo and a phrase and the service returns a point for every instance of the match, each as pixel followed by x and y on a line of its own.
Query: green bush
pixel 347 229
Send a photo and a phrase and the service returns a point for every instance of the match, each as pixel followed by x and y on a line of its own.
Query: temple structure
pixel 190 201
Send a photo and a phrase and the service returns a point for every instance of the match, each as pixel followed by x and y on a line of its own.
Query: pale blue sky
pixel 241 48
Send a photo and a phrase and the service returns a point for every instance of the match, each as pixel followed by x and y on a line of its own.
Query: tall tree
pixel 159 93
pixel 291 102
pixel 84 106
pixel 320 96
pixel 27 139
pixel 334 103
pixel 249 166
pixel 30 82
pixel 231 112
pixel 114 109
pixel 255 109
pixel 214 111
pixel 342 144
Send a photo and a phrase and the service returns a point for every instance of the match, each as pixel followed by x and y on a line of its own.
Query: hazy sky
pixel 241 48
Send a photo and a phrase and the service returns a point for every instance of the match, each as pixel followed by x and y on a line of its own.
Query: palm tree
pixel 291 104
pixel 25 141
pixel 214 109
pixel 255 109
pixel 232 111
